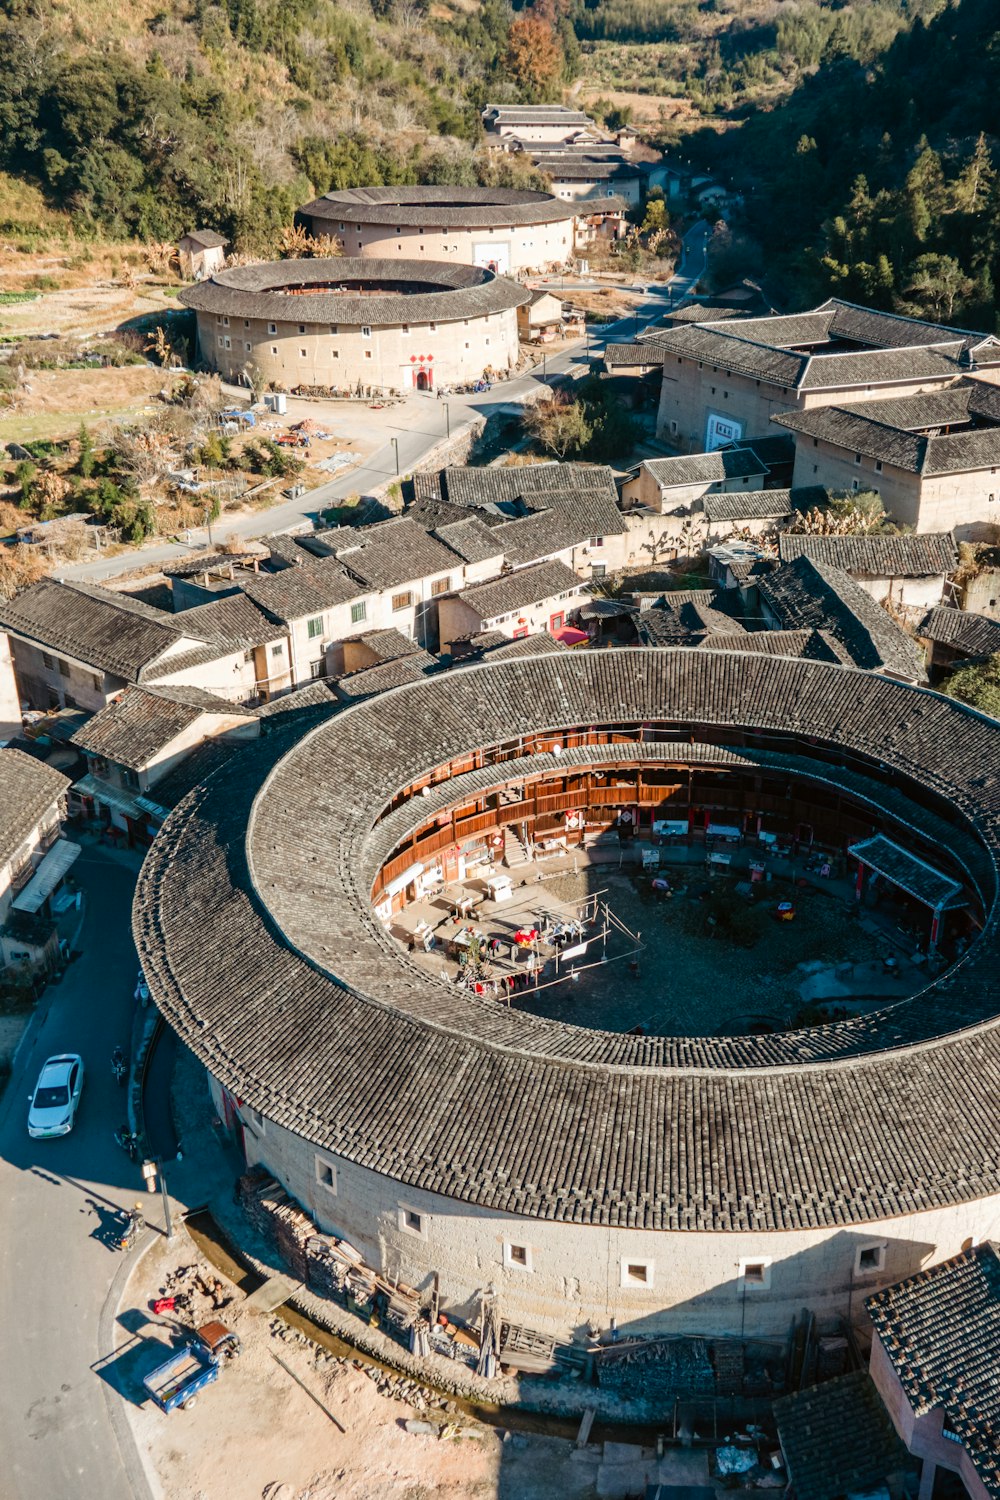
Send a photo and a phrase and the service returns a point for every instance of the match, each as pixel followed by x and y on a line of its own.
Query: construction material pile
pixel 331 1267
pixel 664 1366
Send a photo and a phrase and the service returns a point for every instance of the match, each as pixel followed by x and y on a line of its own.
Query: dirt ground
pixel 255 1434
pixel 55 402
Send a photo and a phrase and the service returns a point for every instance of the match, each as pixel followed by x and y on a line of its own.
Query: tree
pixel 936 283
pixel 559 424
pixel 534 57
pixel 972 190
pixel 978 684
pixel 85 462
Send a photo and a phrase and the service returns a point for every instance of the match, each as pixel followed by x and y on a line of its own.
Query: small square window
pixel 248 347
pixel 222 341
pixel 359 612
pixel 870 1258
pixel 405 329
pixel 878 466
pixel 440 586
pixel 334 353
pixel 302 328
pixel 333 328
pixel 274 348
pixel 255 1121
pixel 225 322
pixel 368 354
pixel 315 670
pixel 326 1174
pixel 278 650
pixel 272 327
pixel 63 668
pixel 411 1221
pixel 401 601
pixel 517 1257
pixel 756 1274
pixel 636 1273
pixel 246 322
pixel 47 660
pixel 314 627
pixel 366 332
pixel 303 353
pixel 857 458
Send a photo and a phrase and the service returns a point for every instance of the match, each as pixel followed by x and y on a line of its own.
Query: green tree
pixel 978 684
pixel 559 424
pixel 87 459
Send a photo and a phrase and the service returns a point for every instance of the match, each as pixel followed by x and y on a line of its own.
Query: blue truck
pixel 178 1380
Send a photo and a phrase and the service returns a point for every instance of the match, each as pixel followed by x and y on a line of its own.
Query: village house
pixel 673 484
pixel 933 459
pixel 540 320
pixel 811 595
pixel 137 741
pixel 724 380
pixel 953 636
pixel 201 253
pixel 837 1440
pixel 539 598
pixel 34 860
pixel 934 1362
pixel 750 512
pixel 911 572
pixel 75 645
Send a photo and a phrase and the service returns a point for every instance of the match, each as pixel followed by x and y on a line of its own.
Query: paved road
pixel 426 423
pixel 59 1197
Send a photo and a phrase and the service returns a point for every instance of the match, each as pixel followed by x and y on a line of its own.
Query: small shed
pixel 540 319
pixel 201 252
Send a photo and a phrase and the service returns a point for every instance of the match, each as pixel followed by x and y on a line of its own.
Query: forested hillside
pixel 149 116
pixel 877 179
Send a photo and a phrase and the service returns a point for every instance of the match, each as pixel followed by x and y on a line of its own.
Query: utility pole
pixel 395 445
pixel 447 419
pixel 150 1170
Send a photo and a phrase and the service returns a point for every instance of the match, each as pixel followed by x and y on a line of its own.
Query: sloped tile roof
pixel 922 556
pixel 394 552
pixel 95 626
pixel 810 645
pixel 877 430
pixel 969 633
pixel 305 590
pixel 500 485
pixel 234 620
pixel 837 1438
pixel 389 644
pixel 518 590
pixel 28 788
pixel 431 1087
pixel 808 594
pixel 387 674
pixel 132 729
pixel 748 505
pixel 706 468
pixel 570 523
pixel 940 1330
pixel 911 874
pixel 471 539
pixel 422 206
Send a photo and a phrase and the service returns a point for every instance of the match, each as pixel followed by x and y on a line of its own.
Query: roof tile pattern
pixel 941 1332
pixel 28 788
pixel 876 556
pixel 813 1425
pixel 131 730
pixel 969 633
pixel 435 1089
pixel 813 595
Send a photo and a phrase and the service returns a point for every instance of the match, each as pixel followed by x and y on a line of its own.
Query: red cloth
pixel 163 1304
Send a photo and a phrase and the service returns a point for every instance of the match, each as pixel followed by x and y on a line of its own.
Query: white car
pixel 57 1096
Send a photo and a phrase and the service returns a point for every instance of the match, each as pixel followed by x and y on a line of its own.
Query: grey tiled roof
pixel 811 645
pixel 539 644
pixel 468 207
pixel 684 617
pixel 940 1330
pixel 880 367
pixel 632 356
pixel 315 695
pixel 442 292
pixel 518 590
pixel 812 595
pixel 577 517
pixel 503 484
pixel 969 633
pixel 706 468
pixel 911 874
pixel 395 552
pixel 748 505
pixel 471 539
pixel 308 589
pixel 387 674
pixel 866 325
pixel 876 556
pixel 727 349
pixel 837 1438
pixel 93 625
pixel 877 430
pixel 208 239
pixel 433 1088
pixel 389 644
pixel 133 728
pixel 28 788
pixel 234 620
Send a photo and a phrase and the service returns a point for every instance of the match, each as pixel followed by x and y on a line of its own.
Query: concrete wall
pixel 506 248
pixel 457 618
pixel 229 676
pixel 693 392
pixel 647 490
pixel 967 504
pixel 205 727
pixel 388 358
pixel 922 1435
pixel 40 839
pixel 695 1283
pixel 578 190
pixel 10 705
pixel 46 679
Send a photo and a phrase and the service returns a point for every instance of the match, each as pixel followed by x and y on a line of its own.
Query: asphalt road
pixel 59 1202
pixel 426 425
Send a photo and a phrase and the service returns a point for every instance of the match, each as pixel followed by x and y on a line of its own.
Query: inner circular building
pixel 484 1075
pixel 342 323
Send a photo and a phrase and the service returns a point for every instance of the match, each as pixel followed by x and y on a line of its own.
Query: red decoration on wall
pixel 413 359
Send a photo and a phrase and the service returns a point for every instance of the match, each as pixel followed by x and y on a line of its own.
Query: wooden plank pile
pixel 664 1366
pixel 727 1357
pixel 328 1265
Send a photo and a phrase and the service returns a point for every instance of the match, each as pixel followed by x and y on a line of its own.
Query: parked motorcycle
pixel 119 1066
pixel 142 989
